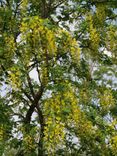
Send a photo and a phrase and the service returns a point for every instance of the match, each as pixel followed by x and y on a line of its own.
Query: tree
pixel 69 106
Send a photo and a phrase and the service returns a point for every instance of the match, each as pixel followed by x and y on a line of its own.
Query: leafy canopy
pixel 58 77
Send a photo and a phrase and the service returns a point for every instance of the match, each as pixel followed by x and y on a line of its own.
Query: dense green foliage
pixel 58 77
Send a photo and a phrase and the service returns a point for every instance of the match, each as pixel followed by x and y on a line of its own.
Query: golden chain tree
pixel 58 77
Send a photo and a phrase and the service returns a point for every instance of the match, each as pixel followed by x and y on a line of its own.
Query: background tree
pixel 69 106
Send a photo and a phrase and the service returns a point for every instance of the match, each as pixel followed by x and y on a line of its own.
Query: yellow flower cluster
pixel 94 35
pixel 9 46
pixel 101 13
pixel 64 41
pixel 111 36
pixel 24 3
pixel 112 125
pixel 113 142
pixel 1 133
pixel 54 134
pixel 44 75
pixel 28 142
pixel 76 117
pixel 84 97
pixel 14 77
pixel 106 100
pixel 60 109
pixel 41 37
pixel 27 55
pixel 75 113
pixel 68 44
pixel 51 46
pixel 48 41
pixel 24 6
pixel 53 105
pixel 54 130
pixel 95 38
pixel 75 50
pixel 85 127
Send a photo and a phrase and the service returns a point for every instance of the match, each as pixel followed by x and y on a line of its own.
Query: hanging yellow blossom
pixel 113 144
pixel 1 133
pixel 106 100
pixel 10 46
pixel 47 42
pixel 60 109
pixel 111 44
pixel 93 34
pixel 68 44
pixel 29 143
pixel 101 13
pixel 14 77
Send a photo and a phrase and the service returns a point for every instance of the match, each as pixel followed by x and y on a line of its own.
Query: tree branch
pixel 54 7
pixel 8 3
pixel 30 85
pixel 34 104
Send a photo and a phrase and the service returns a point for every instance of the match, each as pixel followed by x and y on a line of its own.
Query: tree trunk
pixel 41 120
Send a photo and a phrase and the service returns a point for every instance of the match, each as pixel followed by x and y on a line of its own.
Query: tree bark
pixel 33 105
pixel 42 124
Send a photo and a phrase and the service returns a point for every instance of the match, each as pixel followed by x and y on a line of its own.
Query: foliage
pixel 58 77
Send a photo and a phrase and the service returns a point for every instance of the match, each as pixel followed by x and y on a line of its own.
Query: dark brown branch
pixel 48 8
pixel 44 11
pixel 30 85
pixel 34 104
pixel 54 7
pixel 8 3
pixel 6 73
pixel 112 17
pixel 39 94
pixel 29 114
pixel 2 3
